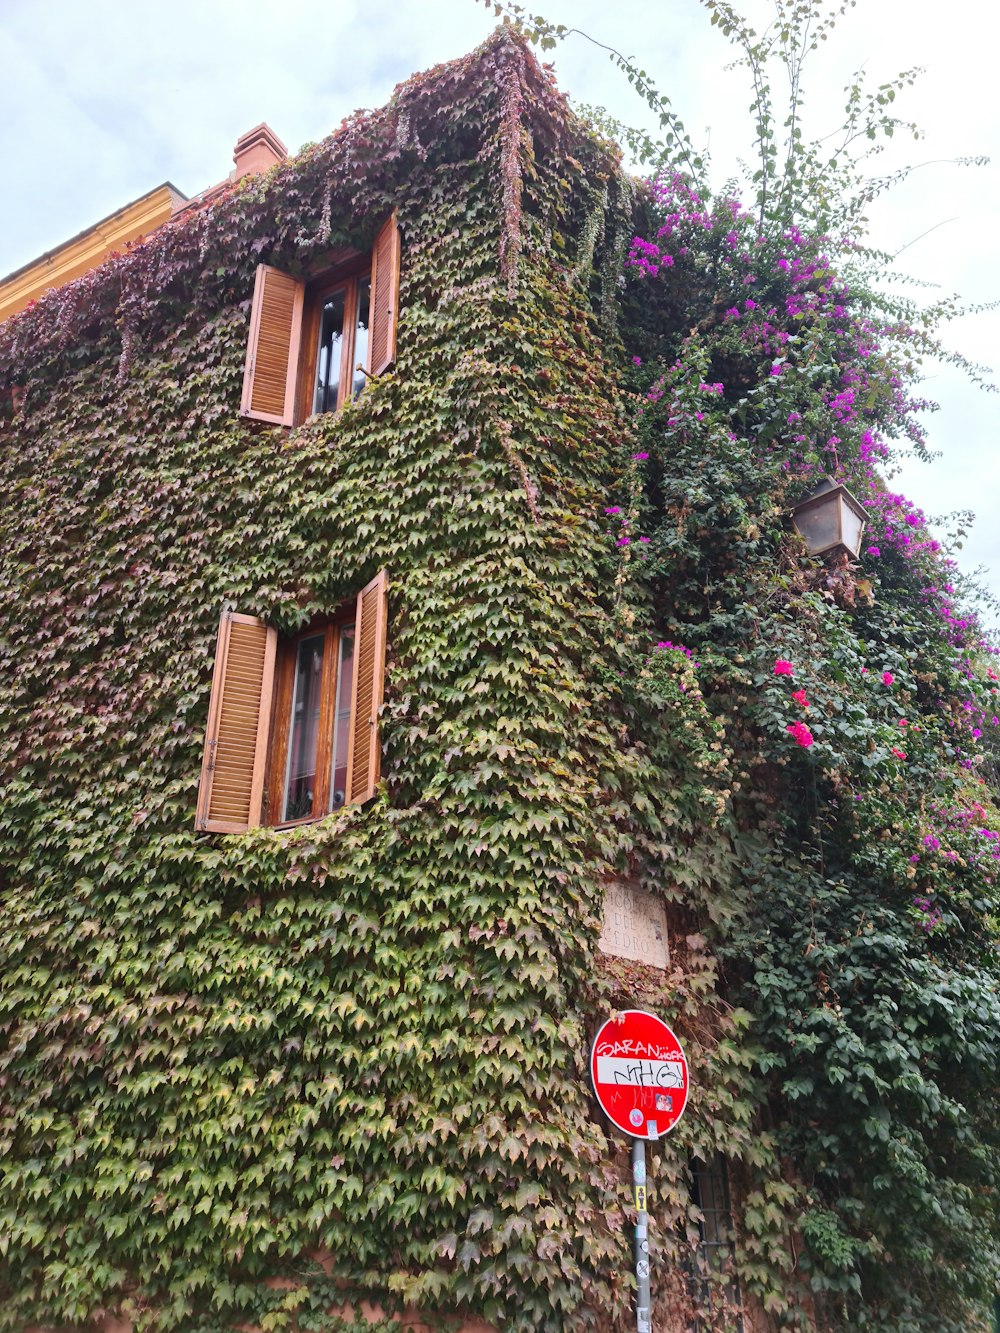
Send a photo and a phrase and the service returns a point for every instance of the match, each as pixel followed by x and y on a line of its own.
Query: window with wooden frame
pixel 293 720
pixel 313 344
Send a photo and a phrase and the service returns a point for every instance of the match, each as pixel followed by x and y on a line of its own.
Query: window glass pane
pixel 361 336
pixel 820 525
pixel 331 339
pixel 300 774
pixel 342 718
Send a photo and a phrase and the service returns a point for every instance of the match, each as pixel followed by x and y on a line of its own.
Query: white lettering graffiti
pixel 640 1073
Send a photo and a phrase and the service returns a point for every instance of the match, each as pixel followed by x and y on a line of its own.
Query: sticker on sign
pixel 639 1074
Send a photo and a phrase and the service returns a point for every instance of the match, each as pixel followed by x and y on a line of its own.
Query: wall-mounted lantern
pixel 830 520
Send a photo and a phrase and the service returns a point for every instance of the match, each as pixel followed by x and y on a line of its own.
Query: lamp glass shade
pixel 852 523
pixel 830 520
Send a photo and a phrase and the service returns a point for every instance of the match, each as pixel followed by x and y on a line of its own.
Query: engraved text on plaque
pixel 635 925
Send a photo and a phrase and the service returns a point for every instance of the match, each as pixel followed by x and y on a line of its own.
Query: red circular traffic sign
pixel 639 1073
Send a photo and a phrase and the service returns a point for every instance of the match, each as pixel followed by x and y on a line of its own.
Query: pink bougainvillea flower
pixel 900 754
pixel 800 698
pixel 887 677
pixel 872 550
pixel 782 667
pixel 640 458
pixel 801 733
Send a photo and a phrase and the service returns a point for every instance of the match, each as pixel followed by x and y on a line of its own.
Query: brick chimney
pixel 257 150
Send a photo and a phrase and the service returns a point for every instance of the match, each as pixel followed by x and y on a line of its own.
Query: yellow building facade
pixel 257 150
pixel 88 249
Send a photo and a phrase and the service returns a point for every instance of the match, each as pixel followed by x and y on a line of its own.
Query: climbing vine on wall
pixel 857 700
pixel 857 705
pixel 257 1079
pixel 251 1080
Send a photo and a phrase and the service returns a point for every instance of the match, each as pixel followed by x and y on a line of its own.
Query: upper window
pixel 337 335
pixel 293 721
pixel 312 345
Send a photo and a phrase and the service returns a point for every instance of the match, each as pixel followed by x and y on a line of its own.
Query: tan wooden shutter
pixel 385 298
pixel 272 363
pixel 364 752
pixel 239 715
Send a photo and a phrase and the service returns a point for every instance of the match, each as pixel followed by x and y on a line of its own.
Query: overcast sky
pixel 101 100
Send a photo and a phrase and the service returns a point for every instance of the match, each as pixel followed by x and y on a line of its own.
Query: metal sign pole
pixel 642 1313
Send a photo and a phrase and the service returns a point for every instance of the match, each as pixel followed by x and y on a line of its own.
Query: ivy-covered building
pixel 272 1015
pixel 330 711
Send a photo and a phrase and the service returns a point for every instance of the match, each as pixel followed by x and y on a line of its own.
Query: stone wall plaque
pixel 635 925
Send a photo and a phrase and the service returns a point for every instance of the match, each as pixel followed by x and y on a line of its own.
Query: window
pixel 339 337
pixel 713 1284
pixel 11 402
pixel 293 722
pixel 308 339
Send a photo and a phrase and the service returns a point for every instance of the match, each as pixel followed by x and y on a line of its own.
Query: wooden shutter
pixel 239 714
pixel 385 298
pixel 273 348
pixel 363 752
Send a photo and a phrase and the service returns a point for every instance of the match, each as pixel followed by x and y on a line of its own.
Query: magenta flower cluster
pixel 665 646
pixel 779 291
pixel 931 916
pixel 800 733
pixel 624 537
pixel 798 730
pixel 830 394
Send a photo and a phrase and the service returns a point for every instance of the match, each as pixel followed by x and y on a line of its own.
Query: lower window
pixel 308 770
pixel 714 1286
pixel 293 721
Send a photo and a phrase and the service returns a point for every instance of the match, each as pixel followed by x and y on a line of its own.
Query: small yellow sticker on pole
pixel 640 1198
